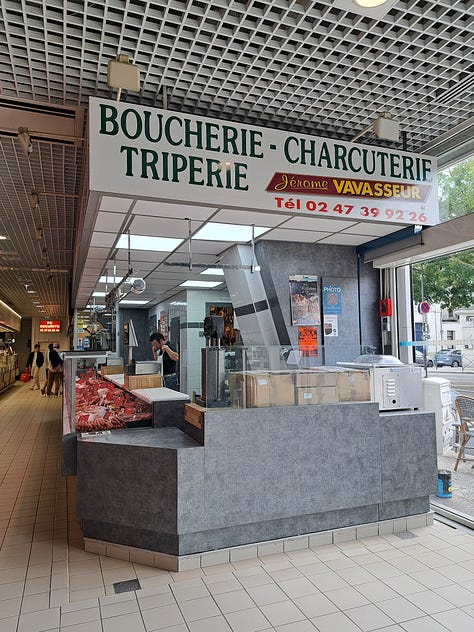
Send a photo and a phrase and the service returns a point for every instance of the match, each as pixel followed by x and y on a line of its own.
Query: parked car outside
pixel 448 357
pixel 419 359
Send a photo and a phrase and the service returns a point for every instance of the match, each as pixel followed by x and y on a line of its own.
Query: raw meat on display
pixel 100 405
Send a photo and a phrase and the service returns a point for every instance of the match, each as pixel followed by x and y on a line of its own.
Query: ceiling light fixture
pixel 34 200
pixel 39 233
pixel 123 75
pixel 384 127
pixel 25 141
pixel 369 3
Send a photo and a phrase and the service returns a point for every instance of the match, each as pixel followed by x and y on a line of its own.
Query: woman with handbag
pixel 55 368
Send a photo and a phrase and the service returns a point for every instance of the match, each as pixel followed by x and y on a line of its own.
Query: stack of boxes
pixel 322 385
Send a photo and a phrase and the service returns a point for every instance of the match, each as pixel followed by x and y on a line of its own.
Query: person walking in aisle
pixel 55 367
pixel 34 363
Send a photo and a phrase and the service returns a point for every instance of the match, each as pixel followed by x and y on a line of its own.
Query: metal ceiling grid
pixel 309 66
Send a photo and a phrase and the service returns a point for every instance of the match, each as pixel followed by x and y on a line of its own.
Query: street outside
pixel 462 501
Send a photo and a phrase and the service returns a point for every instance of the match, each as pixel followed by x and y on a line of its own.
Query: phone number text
pixel 369 212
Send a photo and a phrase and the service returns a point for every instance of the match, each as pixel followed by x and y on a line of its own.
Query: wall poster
pixel 152 324
pixel 330 325
pixel 332 299
pixel 304 300
pixel 164 324
pixel 308 341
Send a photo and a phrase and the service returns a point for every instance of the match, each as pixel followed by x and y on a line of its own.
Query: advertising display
pixel 148 152
pixel 304 300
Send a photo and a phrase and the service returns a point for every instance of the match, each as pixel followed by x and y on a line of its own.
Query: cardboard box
pixel 315 377
pixel 257 389
pixel 194 415
pixel 353 385
pixel 132 382
pixel 111 369
pixel 316 395
pixel 282 388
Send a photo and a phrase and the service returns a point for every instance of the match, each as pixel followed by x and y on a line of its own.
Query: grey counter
pixel 261 474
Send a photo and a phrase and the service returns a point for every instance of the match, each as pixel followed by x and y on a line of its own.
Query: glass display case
pixel 261 376
pixel 93 403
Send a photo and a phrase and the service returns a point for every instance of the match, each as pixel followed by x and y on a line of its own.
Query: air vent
pixel 460 90
pixel 51 121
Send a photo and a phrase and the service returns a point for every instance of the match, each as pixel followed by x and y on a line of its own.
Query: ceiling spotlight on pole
pixel 24 141
pixel 384 127
pixel 39 233
pixel 34 200
pixel 123 75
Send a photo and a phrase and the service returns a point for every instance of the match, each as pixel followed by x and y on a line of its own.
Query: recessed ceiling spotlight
pixel 370 3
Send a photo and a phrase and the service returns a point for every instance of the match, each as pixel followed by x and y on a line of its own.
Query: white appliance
pixel 144 367
pixel 437 399
pixel 394 385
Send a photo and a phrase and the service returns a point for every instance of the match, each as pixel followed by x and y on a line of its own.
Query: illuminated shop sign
pixel 50 326
pixel 158 154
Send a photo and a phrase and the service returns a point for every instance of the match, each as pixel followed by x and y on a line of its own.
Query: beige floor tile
pixel 38 570
pixel 347 597
pixel 80 616
pixel 264 595
pixel 156 600
pixel 84 566
pixel 9 624
pixel 455 620
pixel 89 626
pixel 39 621
pixel 187 592
pixel 335 622
pixel 9 608
pixel 86 580
pixel 215 624
pixel 430 602
pixel 161 618
pixel 11 590
pixel 37 585
pixel 282 613
pixel 202 608
pixel 119 608
pixel 315 605
pixel 33 603
pixel 233 601
pixel 248 621
pixel 88 593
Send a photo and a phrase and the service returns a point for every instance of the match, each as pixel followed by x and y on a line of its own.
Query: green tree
pixel 456 191
pixel 448 281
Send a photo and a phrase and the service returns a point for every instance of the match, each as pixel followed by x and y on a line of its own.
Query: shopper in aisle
pixel 34 362
pixel 55 368
pixel 161 347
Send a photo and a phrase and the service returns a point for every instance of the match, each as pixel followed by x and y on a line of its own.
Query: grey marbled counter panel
pixel 144 437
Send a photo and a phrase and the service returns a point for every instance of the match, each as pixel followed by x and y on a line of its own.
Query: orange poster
pixel 308 341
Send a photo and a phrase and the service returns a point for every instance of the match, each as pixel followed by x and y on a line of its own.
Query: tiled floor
pixel 48 582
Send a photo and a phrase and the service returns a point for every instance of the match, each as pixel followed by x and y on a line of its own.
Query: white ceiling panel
pixel 115 204
pixel 318 224
pixel 343 239
pixel 162 227
pixel 178 211
pixel 229 216
pixel 377 229
pixel 103 240
pixel 205 247
pixel 109 222
pixel 286 234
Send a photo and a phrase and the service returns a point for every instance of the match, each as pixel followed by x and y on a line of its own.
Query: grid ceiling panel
pixel 306 66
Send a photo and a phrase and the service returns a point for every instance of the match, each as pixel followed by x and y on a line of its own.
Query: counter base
pixel 171 562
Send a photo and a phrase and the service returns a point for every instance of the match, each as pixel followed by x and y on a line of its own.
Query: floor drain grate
pixel 127 586
pixel 405 535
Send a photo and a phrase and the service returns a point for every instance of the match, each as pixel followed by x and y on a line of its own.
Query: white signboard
pixel 146 152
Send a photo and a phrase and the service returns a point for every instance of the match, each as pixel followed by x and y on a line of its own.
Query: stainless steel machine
pixel 393 384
